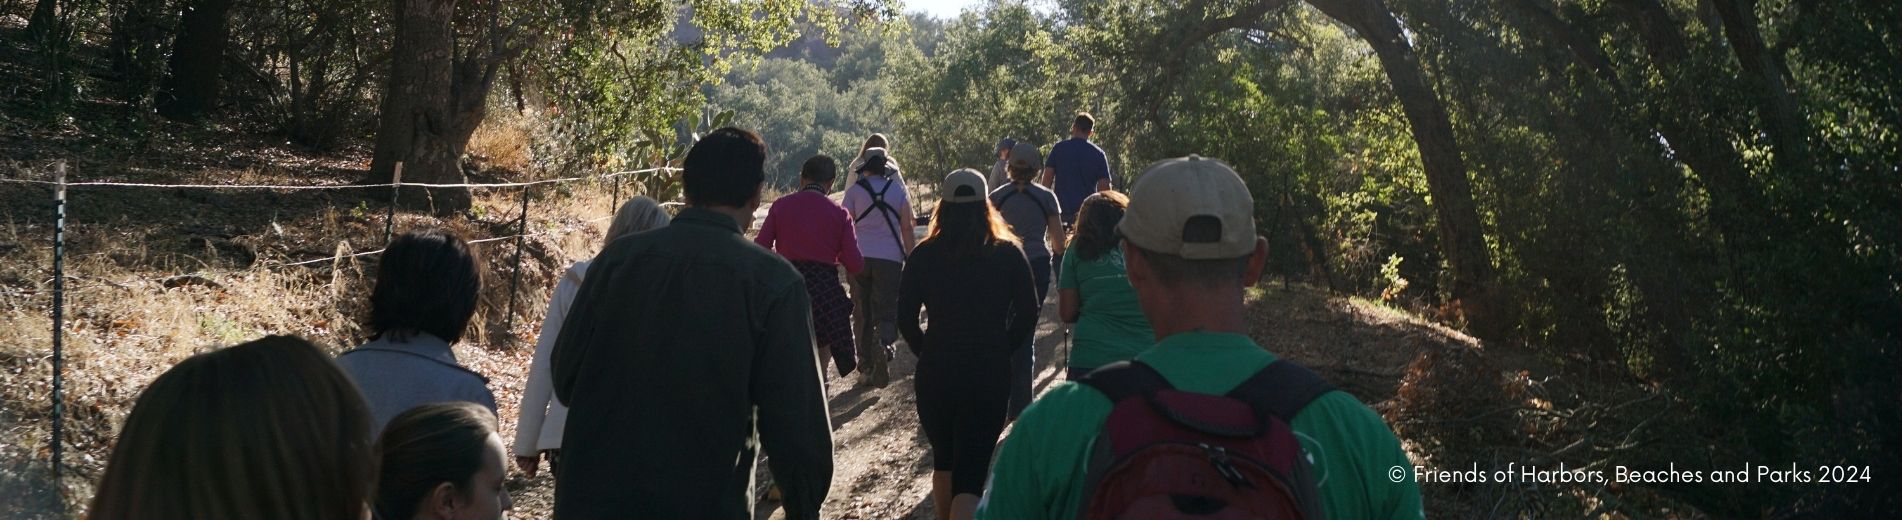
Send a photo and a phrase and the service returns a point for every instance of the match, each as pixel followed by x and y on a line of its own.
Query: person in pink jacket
pixel 538 428
pixel 816 234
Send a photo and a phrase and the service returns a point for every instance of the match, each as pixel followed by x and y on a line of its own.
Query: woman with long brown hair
pixel 970 273
pixel 1093 291
pixel 265 429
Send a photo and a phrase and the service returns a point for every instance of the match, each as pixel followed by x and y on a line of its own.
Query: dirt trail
pixel 881 461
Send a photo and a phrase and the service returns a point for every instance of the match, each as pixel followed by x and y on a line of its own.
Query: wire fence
pixel 60 203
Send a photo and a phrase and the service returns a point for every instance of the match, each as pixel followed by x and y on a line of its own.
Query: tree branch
pixel 1174 57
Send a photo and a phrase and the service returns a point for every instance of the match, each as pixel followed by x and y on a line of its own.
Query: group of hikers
pixel 685 352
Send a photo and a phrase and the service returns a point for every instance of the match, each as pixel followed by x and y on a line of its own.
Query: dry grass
pixel 156 276
pixel 504 142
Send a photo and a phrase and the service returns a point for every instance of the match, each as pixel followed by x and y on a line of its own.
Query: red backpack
pixel 1166 453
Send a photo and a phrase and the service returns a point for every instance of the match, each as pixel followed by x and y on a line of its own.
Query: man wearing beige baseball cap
pixel 1191 252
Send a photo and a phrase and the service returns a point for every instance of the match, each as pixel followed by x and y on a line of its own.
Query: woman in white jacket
pixel 538 430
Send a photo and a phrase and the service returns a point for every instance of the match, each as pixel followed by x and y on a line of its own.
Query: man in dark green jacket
pixel 682 344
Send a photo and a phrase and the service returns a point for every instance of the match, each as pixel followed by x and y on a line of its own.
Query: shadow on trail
pixel 840 418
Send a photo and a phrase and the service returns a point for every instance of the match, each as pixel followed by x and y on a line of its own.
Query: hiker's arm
pixel 789 395
pixel 1048 174
pixel 540 387
pixel 907 229
pixel 1023 298
pixel 1069 305
pixel 1053 229
pixel 1103 184
pixel 1017 489
pixel 911 296
pixel 849 247
pixel 578 328
pixel 1069 300
pixel 767 232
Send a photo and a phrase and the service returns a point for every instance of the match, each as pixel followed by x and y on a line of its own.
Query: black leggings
pixel 962 398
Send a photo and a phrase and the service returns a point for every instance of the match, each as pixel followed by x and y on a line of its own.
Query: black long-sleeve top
pixel 984 304
pixel 687 349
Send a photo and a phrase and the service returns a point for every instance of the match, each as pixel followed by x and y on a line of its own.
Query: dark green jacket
pixel 682 343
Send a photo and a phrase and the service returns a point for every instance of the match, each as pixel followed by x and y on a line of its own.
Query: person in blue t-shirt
pixel 1076 168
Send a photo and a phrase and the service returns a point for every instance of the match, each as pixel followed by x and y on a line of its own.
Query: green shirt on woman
pixel 1110 325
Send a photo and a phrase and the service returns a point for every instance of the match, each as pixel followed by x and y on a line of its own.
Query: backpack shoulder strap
pixel 877 198
pixel 1007 196
pixel 1282 388
pixel 1041 209
pixel 1126 379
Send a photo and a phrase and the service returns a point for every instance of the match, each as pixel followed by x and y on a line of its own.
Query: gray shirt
pixel 396 376
pixel 1028 212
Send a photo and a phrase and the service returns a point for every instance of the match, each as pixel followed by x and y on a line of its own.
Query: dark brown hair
pixel 427 281
pixel 1084 122
pixel 726 168
pixel 1021 175
pixel 820 169
pixel 427 446
pixel 1096 223
pixel 265 429
pixel 969 228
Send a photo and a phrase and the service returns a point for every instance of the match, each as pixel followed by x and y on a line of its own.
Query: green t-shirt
pixel 1110 325
pixel 1040 469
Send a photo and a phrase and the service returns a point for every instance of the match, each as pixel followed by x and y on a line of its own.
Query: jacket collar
pixel 420 343
pixel 706 217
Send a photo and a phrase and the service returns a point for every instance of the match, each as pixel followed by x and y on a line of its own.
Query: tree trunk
pixel 1777 105
pixel 45 15
pixel 1461 236
pixel 191 89
pixel 1685 113
pixel 421 125
pixel 1664 293
pixel 137 48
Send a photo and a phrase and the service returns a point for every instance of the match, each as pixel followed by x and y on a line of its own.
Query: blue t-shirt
pixel 1079 165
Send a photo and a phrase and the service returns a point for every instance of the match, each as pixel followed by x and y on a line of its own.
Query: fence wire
pixel 60 186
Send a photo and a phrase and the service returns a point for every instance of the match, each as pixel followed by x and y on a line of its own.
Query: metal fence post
pixel 389 219
pixel 614 204
pixel 59 318
pixel 508 320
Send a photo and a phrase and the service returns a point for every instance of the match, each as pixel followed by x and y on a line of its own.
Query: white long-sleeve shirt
pixel 542 417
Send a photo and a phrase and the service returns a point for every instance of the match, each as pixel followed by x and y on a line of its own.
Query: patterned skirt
pixel 831 312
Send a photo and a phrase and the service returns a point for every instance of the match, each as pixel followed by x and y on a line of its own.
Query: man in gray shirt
pixel 1031 211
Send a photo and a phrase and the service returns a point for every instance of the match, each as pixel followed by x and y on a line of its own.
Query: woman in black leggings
pixel 972 275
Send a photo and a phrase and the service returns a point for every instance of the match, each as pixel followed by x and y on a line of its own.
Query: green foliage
pixel 803 107
pixel 624 80
pixel 997 73
pixel 1640 210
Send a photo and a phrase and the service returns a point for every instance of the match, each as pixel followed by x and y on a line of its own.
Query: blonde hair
pixel 876 140
pixel 636 215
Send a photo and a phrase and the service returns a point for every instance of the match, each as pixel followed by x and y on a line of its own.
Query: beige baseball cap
pixel 872 158
pixel 964 185
pixel 1025 156
pixel 1193 207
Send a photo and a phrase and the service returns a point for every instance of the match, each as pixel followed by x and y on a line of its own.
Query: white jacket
pixel 540 425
